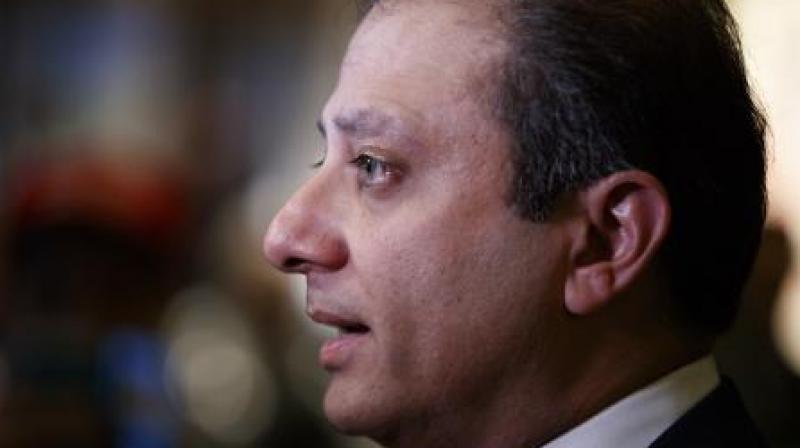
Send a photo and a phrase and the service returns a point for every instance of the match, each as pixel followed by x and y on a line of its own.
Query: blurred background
pixel 144 146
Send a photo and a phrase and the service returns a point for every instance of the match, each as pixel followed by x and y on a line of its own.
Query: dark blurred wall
pixel 127 128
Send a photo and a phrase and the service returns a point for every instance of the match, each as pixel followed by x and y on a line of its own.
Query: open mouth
pixel 344 324
pixel 353 329
pixel 337 352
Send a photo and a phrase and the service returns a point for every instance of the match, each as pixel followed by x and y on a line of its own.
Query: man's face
pixel 444 296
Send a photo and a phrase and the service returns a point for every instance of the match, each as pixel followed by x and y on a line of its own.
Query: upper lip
pixel 342 320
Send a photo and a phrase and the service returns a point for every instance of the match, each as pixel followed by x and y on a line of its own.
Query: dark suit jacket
pixel 719 420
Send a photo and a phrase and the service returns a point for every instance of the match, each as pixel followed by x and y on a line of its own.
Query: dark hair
pixel 593 87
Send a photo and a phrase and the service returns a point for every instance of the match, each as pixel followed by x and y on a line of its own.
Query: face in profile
pixel 443 297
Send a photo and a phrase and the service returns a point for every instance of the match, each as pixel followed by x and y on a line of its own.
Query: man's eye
pixel 371 170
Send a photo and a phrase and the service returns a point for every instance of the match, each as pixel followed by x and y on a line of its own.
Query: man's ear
pixel 623 219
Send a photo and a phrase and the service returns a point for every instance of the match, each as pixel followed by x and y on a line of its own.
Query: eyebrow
pixel 366 122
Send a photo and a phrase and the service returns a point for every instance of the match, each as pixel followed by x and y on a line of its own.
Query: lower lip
pixel 336 352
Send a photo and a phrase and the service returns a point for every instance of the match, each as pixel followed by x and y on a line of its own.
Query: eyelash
pixel 367 165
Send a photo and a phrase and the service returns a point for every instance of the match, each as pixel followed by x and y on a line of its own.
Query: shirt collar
pixel 637 420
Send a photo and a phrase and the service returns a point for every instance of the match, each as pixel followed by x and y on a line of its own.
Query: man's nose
pixel 304 235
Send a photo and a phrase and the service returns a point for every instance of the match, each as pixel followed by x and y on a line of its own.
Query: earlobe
pixel 589 290
pixel 622 222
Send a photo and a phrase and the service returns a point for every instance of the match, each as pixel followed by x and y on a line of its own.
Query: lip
pixel 338 351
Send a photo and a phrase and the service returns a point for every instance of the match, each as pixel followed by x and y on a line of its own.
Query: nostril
pixel 293 263
pixel 300 239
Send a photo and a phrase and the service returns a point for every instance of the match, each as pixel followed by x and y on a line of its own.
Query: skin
pixel 405 228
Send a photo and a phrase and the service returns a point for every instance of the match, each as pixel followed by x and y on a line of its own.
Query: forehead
pixel 409 54
pixel 467 31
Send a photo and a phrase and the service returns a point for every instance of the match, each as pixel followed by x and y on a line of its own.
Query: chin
pixel 346 412
pixel 355 410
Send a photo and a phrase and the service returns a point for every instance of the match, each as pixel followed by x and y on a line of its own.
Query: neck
pixel 549 395
pixel 514 416
pixel 625 348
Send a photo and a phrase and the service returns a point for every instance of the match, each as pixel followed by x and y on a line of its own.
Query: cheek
pixel 448 300
pixel 407 283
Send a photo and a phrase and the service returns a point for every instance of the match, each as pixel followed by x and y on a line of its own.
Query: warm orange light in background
pixel 770 31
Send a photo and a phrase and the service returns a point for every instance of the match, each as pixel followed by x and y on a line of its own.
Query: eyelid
pixel 374 153
pixel 378 153
pixel 370 151
pixel 362 157
pixel 374 170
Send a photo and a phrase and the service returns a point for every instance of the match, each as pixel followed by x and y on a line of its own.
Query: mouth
pixel 352 332
pixel 342 322
pixel 352 329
